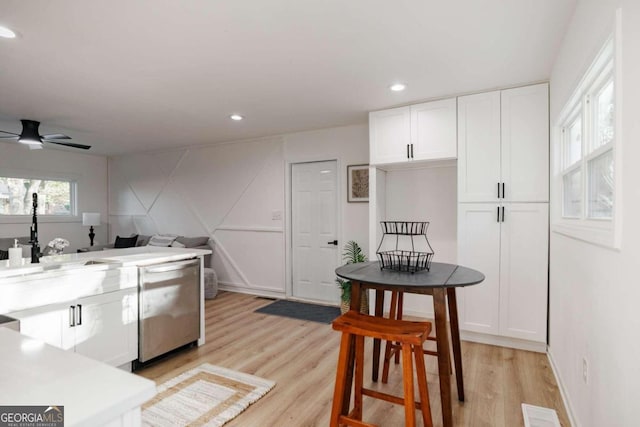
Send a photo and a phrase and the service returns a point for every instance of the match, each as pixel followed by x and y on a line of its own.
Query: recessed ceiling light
pixel 7 33
pixel 236 117
pixel 398 87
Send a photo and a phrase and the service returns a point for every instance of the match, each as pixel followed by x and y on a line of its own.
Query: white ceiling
pixel 134 75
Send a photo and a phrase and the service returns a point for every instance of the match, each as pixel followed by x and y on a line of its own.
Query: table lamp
pixel 90 219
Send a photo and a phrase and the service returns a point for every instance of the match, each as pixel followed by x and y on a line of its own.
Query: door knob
pixel 335 242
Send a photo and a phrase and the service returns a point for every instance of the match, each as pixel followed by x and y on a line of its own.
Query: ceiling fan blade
pixel 10 133
pixel 10 137
pixel 55 136
pixel 70 144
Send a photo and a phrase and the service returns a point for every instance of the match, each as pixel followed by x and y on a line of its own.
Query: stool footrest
pixel 386 397
pixel 355 423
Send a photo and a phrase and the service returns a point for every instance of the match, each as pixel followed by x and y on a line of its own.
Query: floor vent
pixel 537 416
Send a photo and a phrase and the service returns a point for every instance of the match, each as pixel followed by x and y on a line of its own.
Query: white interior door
pixel 315 254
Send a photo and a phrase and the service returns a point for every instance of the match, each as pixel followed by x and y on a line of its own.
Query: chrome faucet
pixel 35 246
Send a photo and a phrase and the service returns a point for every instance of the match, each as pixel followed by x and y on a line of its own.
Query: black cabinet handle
pixel 412 151
pixel 334 242
pixel 503 190
pixel 498 214
pixel 72 316
pixel 503 214
pixel 408 151
pixel 79 322
pixel 498 190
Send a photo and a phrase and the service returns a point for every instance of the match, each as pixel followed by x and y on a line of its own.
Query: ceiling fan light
pixel 29 141
pixel 7 33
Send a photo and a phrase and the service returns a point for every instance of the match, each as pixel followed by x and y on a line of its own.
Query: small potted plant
pixel 352 254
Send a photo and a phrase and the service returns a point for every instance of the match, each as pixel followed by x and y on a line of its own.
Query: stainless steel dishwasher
pixel 169 307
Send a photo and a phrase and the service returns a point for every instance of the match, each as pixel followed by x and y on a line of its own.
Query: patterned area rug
pixel 302 311
pixel 204 396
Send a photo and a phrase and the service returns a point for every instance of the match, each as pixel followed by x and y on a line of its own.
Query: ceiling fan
pixel 31 136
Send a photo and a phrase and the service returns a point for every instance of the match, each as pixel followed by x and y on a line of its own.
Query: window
pixel 585 159
pixel 55 197
pixel 588 138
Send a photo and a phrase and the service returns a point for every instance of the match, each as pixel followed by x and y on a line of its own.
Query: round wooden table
pixel 439 282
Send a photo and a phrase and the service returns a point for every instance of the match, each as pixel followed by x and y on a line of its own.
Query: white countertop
pixel 142 255
pixel 92 393
pixel 63 278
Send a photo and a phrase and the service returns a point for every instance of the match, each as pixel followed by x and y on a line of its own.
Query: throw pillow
pixel 143 240
pixel 177 244
pixel 161 240
pixel 125 242
pixel 192 242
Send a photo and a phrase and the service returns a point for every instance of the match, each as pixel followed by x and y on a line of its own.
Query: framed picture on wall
pixel 357 183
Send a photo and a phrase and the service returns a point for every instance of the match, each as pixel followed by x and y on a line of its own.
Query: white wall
pixel 89 171
pixel 594 291
pixel 426 194
pixel 230 192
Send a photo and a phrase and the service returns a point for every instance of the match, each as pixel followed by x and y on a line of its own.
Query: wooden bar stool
pixel 410 336
pixel 392 348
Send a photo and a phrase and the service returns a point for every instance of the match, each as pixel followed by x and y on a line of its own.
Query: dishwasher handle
pixel 170 266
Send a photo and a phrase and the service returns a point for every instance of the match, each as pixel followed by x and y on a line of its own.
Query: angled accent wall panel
pixel 122 199
pixel 172 215
pixel 147 174
pixel 214 178
pixel 263 196
pixel 197 191
pixel 259 255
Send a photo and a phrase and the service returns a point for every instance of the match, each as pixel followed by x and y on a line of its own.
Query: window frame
pixel 603 70
pixel 73 216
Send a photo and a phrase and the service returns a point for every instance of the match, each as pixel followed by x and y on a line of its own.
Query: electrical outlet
pixel 585 370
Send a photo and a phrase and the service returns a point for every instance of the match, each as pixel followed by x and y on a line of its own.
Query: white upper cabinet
pixel 419 132
pixel 503 141
pixel 390 135
pixel 525 143
pixel 479 147
pixel 433 130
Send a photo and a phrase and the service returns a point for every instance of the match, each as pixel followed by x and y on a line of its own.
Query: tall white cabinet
pixel 501 142
pixel 503 214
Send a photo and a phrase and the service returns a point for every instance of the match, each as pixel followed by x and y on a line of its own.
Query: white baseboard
pixel 538 347
pixel 243 289
pixel 563 390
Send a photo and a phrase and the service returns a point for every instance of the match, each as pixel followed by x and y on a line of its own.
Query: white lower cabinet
pixel 103 327
pixel 509 244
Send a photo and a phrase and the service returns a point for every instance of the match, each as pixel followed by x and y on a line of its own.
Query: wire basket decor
pixel 415 253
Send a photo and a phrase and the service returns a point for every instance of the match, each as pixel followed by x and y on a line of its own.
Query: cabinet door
pixel 479 147
pixel 479 248
pixel 44 323
pixel 389 135
pixel 525 143
pixel 433 130
pixel 107 327
pixel 524 271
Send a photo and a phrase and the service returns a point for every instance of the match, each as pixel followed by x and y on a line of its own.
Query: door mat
pixel 204 396
pixel 301 311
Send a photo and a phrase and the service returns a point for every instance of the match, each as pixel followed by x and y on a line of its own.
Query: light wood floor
pixel 301 357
